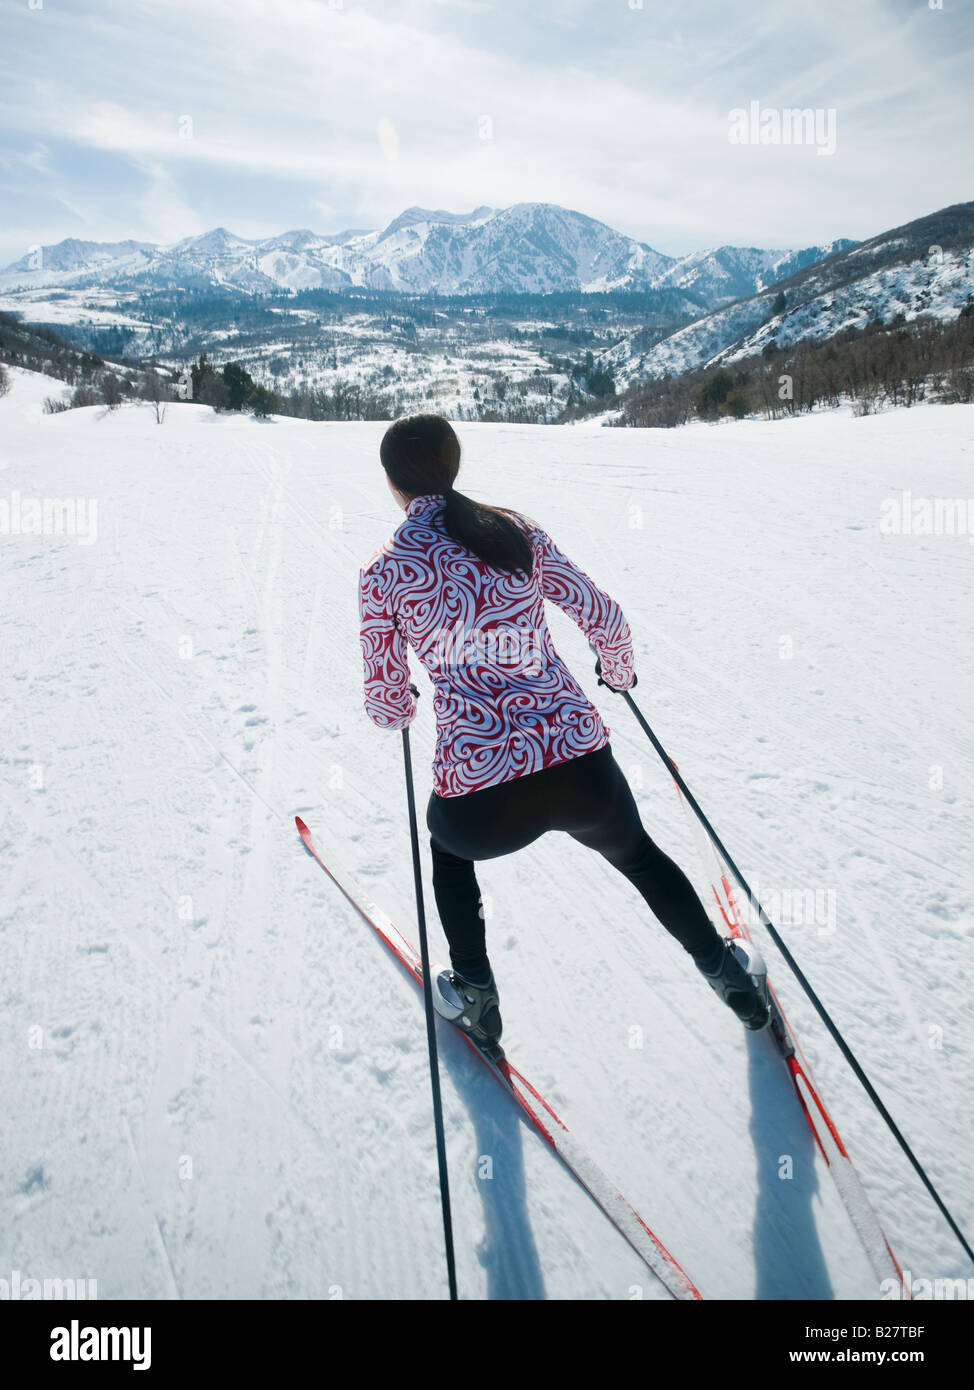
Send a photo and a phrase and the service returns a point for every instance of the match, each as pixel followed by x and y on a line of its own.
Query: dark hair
pixel 421 454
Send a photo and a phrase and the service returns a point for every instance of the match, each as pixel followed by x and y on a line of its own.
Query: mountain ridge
pixel 529 247
pixel 923 266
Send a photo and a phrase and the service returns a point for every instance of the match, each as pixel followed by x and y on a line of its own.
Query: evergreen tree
pixel 213 391
pixel 239 384
pixel 200 371
pixel 713 395
pixel 263 402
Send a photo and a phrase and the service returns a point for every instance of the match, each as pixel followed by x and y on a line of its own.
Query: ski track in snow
pixel 216 1081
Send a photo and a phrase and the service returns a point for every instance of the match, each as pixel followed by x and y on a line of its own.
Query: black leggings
pixel 588 797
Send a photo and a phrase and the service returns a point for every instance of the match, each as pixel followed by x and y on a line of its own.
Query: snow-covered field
pixel 214 1078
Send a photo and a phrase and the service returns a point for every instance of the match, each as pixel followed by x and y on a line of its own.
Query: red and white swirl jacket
pixel 504 701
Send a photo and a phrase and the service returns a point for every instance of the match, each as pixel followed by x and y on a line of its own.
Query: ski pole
pixel 430 1021
pixel 796 971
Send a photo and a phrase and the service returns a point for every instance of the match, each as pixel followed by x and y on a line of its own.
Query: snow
pixel 528 247
pixel 215 1080
pixel 938 287
pixel 71 307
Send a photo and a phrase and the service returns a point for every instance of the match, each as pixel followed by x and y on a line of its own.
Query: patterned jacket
pixel 504 701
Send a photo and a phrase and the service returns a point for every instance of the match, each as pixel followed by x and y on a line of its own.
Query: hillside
pixel 925 266
pixel 222 1089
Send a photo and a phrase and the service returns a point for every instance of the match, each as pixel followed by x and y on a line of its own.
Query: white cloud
pixel 162 208
pixel 354 112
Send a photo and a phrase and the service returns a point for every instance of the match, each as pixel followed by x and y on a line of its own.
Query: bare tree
pixel 158 393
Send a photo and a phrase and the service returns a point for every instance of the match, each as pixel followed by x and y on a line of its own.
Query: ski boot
pixel 741 981
pixel 473 1008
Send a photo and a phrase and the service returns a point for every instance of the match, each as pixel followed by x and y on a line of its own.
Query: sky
pixel 161 119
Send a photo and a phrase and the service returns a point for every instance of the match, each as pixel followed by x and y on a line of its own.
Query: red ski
pixel 826 1135
pixel 543 1118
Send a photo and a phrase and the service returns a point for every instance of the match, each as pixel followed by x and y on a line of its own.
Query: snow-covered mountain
pixel 925 266
pixel 70 258
pixel 527 248
pixel 530 247
pixel 731 272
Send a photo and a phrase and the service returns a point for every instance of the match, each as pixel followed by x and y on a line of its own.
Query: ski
pixel 824 1131
pixel 533 1105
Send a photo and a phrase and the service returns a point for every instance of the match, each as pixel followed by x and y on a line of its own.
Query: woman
pixel 520 750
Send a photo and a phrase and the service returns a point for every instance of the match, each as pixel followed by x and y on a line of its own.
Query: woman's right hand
pixel 617 689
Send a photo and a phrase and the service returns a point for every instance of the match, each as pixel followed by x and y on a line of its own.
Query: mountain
pixel 924 266
pixel 71 258
pixel 527 248
pixel 732 272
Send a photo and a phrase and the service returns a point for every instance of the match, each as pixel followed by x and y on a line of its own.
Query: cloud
pixel 309 112
pixel 162 207
pixel 36 159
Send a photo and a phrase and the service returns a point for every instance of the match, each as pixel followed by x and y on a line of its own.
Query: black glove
pixel 616 689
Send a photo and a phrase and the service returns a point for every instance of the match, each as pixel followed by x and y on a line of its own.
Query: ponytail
pixel 421 455
pixel 488 532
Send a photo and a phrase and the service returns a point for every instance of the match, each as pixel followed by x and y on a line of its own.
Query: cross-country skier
pixel 520 750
